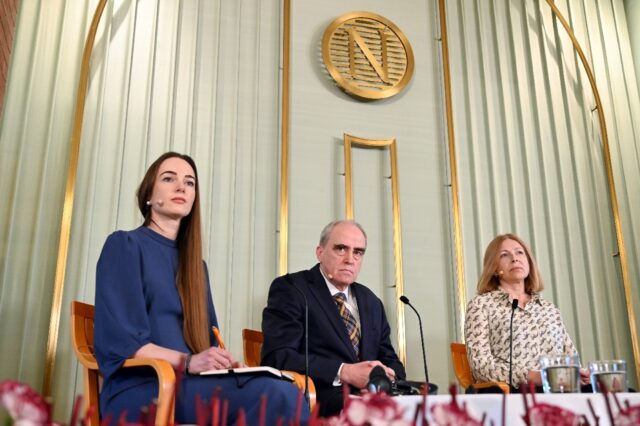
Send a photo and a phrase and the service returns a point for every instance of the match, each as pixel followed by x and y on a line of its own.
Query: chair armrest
pixel 504 387
pixel 86 356
pixel 298 380
pixel 166 386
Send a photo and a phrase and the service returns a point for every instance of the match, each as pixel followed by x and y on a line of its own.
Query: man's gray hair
pixel 326 231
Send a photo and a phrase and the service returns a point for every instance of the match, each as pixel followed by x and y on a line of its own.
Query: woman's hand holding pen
pixel 213 358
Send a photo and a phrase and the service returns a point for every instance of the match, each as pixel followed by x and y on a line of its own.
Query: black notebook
pixel 269 371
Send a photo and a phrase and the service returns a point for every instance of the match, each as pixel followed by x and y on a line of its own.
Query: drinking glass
pixel 560 373
pixel 609 373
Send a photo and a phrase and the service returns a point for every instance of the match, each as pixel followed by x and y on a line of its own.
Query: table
pixel 491 404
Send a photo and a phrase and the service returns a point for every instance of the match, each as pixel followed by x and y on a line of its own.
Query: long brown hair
pixel 489 281
pixel 190 278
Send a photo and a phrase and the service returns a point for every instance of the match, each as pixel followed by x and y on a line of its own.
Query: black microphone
pixel 378 380
pixel 405 300
pixel 514 305
pixel 306 339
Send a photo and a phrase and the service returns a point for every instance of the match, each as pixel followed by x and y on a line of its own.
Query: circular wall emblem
pixel 367 55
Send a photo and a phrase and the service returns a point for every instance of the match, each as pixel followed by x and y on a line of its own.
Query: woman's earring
pixel 148 202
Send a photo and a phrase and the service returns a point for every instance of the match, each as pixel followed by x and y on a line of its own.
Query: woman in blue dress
pixel 153 300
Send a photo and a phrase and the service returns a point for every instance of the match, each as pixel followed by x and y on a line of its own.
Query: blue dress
pixel 137 302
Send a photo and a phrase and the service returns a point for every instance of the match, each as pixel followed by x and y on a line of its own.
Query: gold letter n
pixel 381 69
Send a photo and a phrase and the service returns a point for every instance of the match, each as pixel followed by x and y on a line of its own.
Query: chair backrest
pixel 461 366
pixel 82 315
pixel 82 340
pixel 252 345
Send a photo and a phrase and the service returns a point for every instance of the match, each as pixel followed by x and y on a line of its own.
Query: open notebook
pixel 268 371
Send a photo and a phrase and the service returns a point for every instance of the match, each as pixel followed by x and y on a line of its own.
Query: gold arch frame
pixel 608 166
pixel 67 214
pixel 349 142
pixel 69 195
pixel 622 252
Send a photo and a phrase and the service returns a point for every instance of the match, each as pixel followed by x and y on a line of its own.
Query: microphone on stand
pixel 514 305
pixel 405 300
pixel 378 381
pixel 306 339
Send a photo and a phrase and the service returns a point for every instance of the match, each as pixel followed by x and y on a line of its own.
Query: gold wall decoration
pixel 69 195
pixel 350 141
pixel 283 229
pixel 453 171
pixel 367 55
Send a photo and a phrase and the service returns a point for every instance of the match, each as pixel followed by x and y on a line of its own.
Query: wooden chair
pixel 463 371
pixel 82 338
pixel 252 346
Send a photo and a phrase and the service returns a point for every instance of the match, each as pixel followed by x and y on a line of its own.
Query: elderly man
pixel 348 328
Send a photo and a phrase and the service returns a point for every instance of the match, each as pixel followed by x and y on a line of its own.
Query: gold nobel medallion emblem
pixel 367 55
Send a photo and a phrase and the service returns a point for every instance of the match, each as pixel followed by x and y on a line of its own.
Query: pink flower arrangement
pixel 372 409
pixel 453 413
pixel 24 405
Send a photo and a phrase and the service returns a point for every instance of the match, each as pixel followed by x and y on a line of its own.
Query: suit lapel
pixel 320 292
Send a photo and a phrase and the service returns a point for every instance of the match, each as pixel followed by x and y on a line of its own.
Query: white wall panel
pixel 320 114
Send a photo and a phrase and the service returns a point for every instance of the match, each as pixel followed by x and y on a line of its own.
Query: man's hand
pixel 358 374
pixel 213 358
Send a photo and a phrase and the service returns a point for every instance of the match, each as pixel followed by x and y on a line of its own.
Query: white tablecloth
pixel 491 404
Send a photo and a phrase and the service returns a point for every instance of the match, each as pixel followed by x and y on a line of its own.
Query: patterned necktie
pixel 349 321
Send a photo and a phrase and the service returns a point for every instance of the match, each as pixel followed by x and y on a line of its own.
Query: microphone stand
pixel 405 300
pixel 514 306
pixel 306 340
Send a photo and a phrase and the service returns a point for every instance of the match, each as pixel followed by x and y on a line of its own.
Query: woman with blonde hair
pixel 153 300
pixel 509 273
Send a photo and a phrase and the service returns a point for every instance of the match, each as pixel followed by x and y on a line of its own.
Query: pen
pixel 216 333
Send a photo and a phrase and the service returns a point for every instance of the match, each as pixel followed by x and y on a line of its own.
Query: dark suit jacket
pixel 329 344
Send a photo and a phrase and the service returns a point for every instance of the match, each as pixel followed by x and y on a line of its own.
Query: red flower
pixel 24 405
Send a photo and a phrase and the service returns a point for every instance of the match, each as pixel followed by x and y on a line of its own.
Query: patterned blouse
pixel 537 330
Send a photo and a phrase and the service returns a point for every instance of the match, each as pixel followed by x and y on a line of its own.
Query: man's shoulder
pixel 362 290
pixel 299 276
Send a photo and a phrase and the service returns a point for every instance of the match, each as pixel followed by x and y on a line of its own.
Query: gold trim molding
pixel 283 246
pixel 349 142
pixel 367 55
pixel 69 195
pixel 453 171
